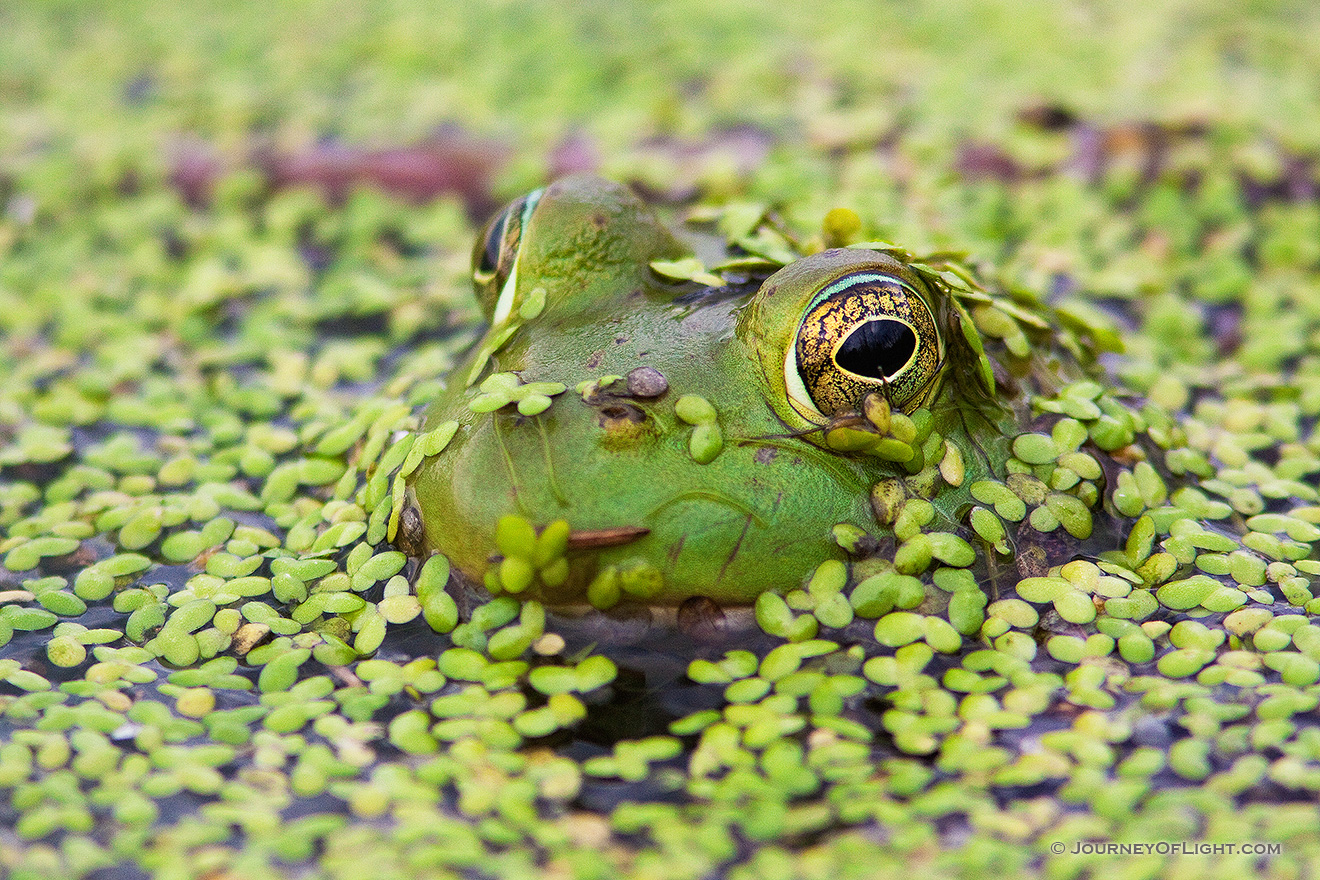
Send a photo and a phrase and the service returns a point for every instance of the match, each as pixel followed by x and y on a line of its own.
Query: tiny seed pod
pixel 990 529
pixel 966 611
pixel 951 549
pixel 694 409
pixel 1075 606
pixel 604 591
pixel 706 443
pixel 914 556
pixel 514 536
pixel 65 651
pixel 951 465
pixel 899 628
pixel 1035 448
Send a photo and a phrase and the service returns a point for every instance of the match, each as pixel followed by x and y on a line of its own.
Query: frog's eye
pixel 495 256
pixel 486 256
pixel 865 332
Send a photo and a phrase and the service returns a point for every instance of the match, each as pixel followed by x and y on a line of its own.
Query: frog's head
pixel 618 434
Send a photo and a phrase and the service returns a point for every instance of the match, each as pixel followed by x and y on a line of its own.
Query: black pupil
pixel 877 349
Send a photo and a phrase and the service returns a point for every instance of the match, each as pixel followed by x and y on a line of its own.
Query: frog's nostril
pixel 617 413
pixel 623 425
pixel 877 349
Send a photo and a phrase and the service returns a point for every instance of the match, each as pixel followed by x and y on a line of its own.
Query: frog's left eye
pixel 495 255
pixel 486 257
pixel 865 332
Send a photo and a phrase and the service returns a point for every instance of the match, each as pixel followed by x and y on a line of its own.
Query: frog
pixel 624 432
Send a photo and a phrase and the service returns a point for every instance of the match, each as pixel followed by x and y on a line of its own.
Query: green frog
pixel 633 429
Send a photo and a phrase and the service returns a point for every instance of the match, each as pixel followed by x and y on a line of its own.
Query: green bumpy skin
pixel 779 435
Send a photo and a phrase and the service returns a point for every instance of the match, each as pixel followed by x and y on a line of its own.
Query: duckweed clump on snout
pixel 213 659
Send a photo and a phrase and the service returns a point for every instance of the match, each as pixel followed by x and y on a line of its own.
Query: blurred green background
pixel 111 81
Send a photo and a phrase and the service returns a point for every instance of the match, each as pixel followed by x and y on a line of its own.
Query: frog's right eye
pixel 835 326
pixel 495 255
pixel 868 331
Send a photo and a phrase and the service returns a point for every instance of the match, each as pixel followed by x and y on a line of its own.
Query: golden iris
pixel 868 332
